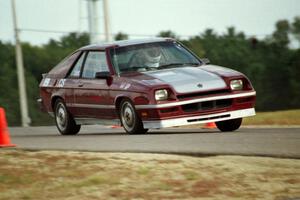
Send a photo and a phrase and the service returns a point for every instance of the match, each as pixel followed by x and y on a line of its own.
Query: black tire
pixel 64 121
pixel 229 125
pixel 130 120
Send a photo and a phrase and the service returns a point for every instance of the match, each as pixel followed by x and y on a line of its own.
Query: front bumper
pixel 199 110
pixel 199 119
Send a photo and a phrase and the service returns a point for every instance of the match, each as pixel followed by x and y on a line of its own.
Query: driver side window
pixel 95 62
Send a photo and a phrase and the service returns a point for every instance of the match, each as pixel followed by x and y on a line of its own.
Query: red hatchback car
pixel 141 85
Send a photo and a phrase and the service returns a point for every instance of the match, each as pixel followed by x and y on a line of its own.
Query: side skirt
pixel 91 121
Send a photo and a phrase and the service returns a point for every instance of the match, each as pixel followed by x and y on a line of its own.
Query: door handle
pixel 80 85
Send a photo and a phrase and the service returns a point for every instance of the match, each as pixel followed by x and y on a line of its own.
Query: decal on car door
pixel 61 83
pixel 46 82
pixel 125 86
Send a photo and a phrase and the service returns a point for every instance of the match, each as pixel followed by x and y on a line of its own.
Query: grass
pixel 82 175
pixel 275 118
pixel 288 117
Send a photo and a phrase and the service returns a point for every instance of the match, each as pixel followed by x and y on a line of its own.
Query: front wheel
pixel 229 125
pixel 130 119
pixel 64 121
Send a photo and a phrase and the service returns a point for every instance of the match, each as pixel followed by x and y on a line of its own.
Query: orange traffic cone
pixel 210 125
pixel 4 135
pixel 115 126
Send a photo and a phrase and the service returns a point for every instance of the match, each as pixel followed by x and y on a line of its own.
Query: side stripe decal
pixel 79 105
pixel 165 105
pixel 179 103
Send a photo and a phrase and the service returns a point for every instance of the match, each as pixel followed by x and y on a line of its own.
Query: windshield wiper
pixel 170 65
pixel 137 68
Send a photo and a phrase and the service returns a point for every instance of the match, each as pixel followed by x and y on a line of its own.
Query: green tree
pixel 121 36
pixel 195 45
pixel 168 34
pixel 281 33
pixel 294 80
pixel 296 29
pixel 8 78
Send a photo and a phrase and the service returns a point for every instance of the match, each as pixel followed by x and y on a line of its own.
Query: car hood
pixel 188 79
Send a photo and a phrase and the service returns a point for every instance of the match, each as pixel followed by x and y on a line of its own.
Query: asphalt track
pixel 275 142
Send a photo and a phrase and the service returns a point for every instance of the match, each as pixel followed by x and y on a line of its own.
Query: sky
pixel 145 18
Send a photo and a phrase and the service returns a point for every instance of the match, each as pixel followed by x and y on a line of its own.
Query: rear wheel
pixel 130 119
pixel 229 125
pixel 63 119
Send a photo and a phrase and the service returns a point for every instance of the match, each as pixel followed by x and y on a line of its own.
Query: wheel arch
pixel 118 101
pixel 133 125
pixel 54 99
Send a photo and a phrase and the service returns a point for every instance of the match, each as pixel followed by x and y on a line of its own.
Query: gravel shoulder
pixel 88 175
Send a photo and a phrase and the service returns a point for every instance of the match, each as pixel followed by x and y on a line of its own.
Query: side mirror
pixel 102 75
pixel 205 60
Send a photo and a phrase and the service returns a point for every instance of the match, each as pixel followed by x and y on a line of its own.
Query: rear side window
pixel 64 66
pixel 95 62
pixel 76 69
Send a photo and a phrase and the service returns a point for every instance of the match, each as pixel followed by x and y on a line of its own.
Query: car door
pixel 91 94
pixel 71 83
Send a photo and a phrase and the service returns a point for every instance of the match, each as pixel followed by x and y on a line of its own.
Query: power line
pixel 129 34
pixel 59 32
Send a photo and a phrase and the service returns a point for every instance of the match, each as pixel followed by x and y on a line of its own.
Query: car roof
pixel 122 43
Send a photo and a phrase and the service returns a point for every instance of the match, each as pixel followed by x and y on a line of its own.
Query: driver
pixel 152 56
pixel 146 58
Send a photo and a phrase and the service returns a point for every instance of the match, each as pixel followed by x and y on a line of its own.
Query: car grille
pixel 207 105
pixel 200 94
pixel 208 118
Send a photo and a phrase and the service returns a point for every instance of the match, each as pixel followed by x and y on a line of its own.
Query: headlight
pixel 236 85
pixel 161 95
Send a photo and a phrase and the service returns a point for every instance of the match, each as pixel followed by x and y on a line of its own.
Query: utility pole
pixel 20 68
pixel 93 20
pixel 79 15
pixel 106 21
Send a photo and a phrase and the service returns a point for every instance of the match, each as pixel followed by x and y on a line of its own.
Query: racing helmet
pixel 152 56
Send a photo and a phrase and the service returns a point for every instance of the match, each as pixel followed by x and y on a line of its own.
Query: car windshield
pixel 151 56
